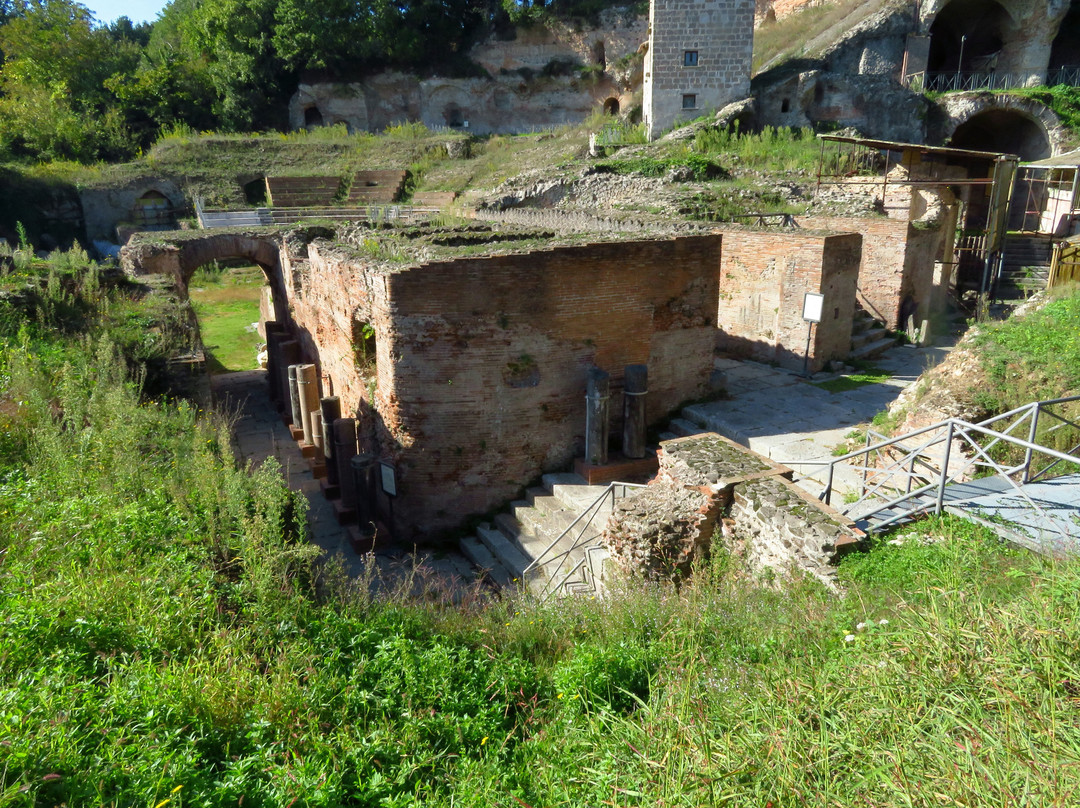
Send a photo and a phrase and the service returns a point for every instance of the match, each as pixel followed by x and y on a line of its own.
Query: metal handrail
pixel 582 523
pixel 945 432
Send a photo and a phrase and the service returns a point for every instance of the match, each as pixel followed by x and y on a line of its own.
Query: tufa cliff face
pixel 546 76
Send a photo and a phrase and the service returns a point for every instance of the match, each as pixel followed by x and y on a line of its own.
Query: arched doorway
pixel 611 106
pixel 153 211
pixel 1002 130
pixel 453 116
pixel 312 118
pixel 229 297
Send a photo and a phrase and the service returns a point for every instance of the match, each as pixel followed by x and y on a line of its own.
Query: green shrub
pixel 612 677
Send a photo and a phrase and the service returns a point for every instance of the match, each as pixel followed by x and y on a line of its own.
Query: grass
pixel 227 304
pixel 801 33
pixel 853 381
pixel 168 634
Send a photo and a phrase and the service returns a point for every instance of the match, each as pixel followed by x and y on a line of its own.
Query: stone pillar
pixel 307 381
pixel 295 418
pixel 344 452
pixel 288 354
pixel 363 470
pixel 331 411
pixel 275 332
pixel 316 432
pixel 596 417
pixel 635 387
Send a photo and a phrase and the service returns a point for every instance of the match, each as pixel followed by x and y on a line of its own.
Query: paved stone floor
pixel 259 433
pixel 787 418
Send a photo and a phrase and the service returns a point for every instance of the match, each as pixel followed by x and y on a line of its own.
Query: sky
pixel 137 10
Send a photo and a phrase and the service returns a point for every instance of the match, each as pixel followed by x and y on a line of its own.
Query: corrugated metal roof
pixel 890 145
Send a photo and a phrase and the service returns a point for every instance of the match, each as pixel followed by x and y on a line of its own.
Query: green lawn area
pixel 227 304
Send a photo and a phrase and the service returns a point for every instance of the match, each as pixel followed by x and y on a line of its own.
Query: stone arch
pixel 153 210
pixel 180 258
pixel 312 117
pixel 1001 123
pixel 1002 130
pixel 611 106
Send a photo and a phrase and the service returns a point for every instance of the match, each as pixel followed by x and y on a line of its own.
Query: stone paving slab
pixel 788 419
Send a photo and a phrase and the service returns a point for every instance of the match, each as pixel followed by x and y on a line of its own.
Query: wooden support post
pixel 596 417
pixel 635 388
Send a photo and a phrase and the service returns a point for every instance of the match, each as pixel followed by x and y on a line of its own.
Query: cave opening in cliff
pixel 1002 130
pixel 967 37
pixel 312 118
pixel 611 106
pixel 1065 50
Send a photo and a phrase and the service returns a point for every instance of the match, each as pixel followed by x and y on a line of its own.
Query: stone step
pixel 873 349
pixel 511 528
pixel 668 436
pixel 479 555
pixel 683 428
pixel 505 551
pixel 868 336
pixel 572 490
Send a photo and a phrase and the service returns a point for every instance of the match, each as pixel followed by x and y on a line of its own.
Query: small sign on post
pixel 813 304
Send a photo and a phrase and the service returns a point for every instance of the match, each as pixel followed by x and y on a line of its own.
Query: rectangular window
pixel 689 58
pixel 689 101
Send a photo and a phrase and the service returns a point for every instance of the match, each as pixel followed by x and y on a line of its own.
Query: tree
pixel 54 100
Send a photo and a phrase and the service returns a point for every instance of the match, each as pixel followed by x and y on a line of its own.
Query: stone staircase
pixel 869 338
pixel 1026 266
pixel 505 548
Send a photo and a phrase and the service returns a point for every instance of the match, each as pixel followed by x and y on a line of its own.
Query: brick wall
pixel 721 32
pixel 482 361
pixel 763 279
pixel 887 272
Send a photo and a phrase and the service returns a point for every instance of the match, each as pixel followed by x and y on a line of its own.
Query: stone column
pixel 288 354
pixel 275 332
pixel 295 418
pixel 331 411
pixel 307 382
pixel 363 468
pixel 635 387
pixel 317 432
pixel 596 417
pixel 344 452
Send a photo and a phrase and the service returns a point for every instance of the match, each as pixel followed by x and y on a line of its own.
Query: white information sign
pixel 812 305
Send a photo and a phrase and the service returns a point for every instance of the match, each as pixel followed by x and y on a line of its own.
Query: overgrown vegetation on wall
pixel 166 637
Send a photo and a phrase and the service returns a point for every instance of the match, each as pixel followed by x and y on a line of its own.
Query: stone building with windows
pixel 698 59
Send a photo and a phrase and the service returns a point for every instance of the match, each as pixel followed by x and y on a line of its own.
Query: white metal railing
pixel 907 477
pixel 269 216
pixel 970 80
pixel 569 558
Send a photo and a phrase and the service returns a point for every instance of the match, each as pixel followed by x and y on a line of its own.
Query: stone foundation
pixel 708 480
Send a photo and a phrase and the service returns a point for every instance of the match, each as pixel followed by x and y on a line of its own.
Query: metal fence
pixel 968 81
